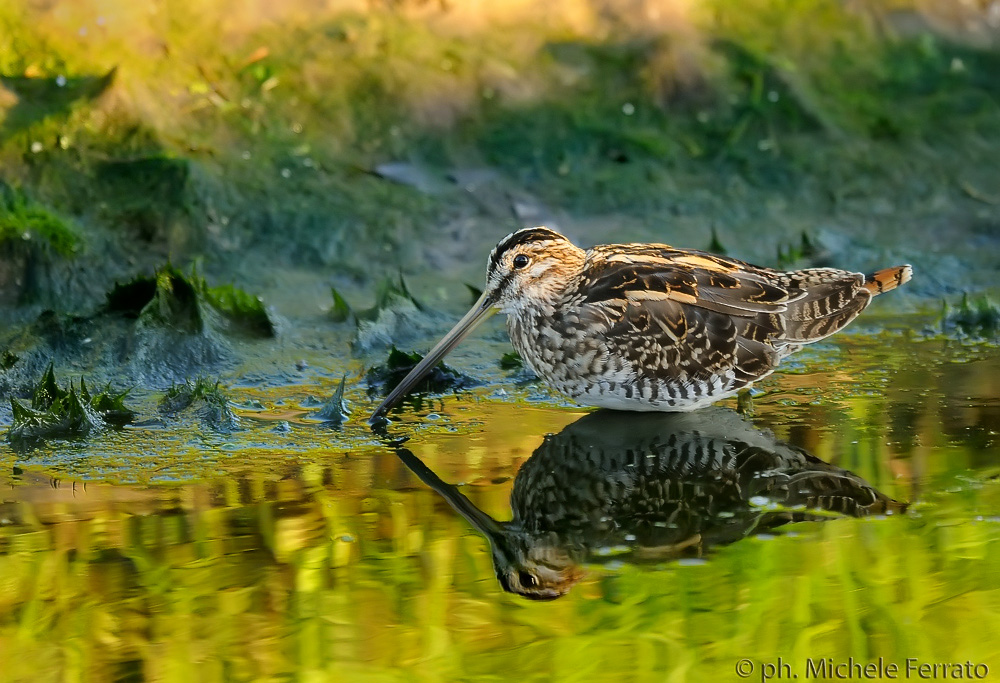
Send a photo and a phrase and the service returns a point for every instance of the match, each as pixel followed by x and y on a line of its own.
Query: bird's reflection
pixel 651 486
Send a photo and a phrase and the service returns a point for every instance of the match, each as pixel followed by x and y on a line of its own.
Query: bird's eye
pixel 527 579
pixel 520 261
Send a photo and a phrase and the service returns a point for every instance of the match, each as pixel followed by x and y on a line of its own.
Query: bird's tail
pixel 888 279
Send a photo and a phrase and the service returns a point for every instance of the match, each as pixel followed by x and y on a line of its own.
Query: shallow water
pixel 291 551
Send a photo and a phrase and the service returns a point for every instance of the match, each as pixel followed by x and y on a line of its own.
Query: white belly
pixel 643 397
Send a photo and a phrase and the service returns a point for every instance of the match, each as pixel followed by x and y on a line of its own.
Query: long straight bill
pixel 481 310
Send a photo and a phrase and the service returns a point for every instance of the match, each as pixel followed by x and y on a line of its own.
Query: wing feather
pixel 687 315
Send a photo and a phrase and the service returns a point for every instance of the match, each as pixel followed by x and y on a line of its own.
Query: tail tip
pixel 905 273
pixel 889 278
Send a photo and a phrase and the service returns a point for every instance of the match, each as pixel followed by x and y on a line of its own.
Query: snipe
pixel 647 327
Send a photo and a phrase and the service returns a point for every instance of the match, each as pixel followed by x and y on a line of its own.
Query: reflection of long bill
pixel 483 523
pixel 481 310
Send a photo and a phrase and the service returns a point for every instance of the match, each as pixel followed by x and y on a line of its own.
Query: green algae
pixel 715 245
pixel 390 293
pixel 340 311
pixel 511 361
pixel 55 412
pixel 976 316
pixel 204 398
pixel 23 220
pixel 173 299
pixel 244 312
pixel 383 378
pixel 796 255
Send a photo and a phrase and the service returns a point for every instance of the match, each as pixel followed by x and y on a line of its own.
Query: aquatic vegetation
pixel 978 316
pixel 511 361
pixel 183 302
pixel 243 312
pixel 394 318
pixel 56 412
pixel 715 245
pixel 340 311
pixel 744 403
pixel 151 331
pixel 206 398
pixel 390 294
pixel 383 378
pixel 335 411
pixel 474 293
pixel 805 253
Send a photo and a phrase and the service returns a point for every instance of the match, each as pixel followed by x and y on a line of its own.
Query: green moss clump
pixel 978 318
pixel 23 220
pixel 341 310
pixel 511 361
pixel 56 412
pixel 389 292
pixel 207 397
pixel 715 245
pixel 110 406
pixel 175 302
pixel 383 378
pixel 181 301
pixel 792 255
pixel 180 396
pixel 242 310
pixel 474 293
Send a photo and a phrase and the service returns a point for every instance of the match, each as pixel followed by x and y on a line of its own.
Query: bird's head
pixel 535 567
pixel 530 267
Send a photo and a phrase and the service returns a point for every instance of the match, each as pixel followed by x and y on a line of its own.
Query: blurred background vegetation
pixel 346 134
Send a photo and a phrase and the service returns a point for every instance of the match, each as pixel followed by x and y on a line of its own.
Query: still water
pixel 855 514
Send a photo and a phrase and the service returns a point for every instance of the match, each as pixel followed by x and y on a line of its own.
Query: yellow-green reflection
pixel 644 487
pixel 340 565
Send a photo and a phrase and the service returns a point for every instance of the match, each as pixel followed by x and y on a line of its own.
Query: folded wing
pixel 688 316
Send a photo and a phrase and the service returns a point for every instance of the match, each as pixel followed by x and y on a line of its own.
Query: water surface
pixel 290 551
